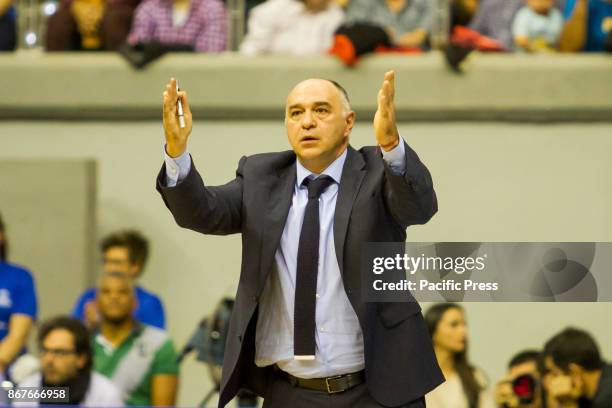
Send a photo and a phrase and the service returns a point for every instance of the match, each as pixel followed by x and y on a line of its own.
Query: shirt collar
pixel 137 329
pixel 334 170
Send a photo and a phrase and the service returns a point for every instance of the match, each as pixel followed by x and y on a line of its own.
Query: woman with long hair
pixel 465 385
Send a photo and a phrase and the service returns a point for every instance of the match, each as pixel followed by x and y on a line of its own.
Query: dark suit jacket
pixel 373 205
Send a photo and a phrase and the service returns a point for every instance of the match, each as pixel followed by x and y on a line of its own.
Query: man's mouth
pixel 309 139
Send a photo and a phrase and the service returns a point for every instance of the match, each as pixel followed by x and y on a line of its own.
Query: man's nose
pixel 46 359
pixel 308 120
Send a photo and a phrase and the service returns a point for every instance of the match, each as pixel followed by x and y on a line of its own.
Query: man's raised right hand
pixel 176 138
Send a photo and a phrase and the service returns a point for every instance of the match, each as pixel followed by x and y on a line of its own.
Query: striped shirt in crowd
pixel 204 28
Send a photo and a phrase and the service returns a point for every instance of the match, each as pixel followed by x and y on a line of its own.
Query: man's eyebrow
pixel 318 103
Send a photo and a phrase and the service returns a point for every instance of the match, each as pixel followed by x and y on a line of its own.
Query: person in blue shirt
pixel 126 252
pixel 18 307
pixel 588 25
pixel 8 25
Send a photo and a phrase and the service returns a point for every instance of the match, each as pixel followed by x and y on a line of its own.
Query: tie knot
pixel 317 186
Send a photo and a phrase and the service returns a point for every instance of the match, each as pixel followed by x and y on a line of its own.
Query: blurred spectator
pixel 578 377
pixel 463 11
pixel 90 25
pixel 201 24
pixel 124 251
pixel 588 26
pixel 67 361
pixel 138 358
pixel 299 27
pixel 494 19
pixel 407 22
pixel 8 26
pixel 462 38
pixel 18 306
pixel 537 26
pixel 521 388
pixel 465 385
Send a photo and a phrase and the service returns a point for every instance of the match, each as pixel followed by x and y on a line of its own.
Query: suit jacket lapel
pixel 279 195
pixel 352 176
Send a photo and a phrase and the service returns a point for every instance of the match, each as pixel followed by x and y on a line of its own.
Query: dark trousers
pixel 8 33
pixel 281 394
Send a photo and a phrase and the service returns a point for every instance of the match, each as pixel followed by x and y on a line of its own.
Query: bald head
pixel 324 87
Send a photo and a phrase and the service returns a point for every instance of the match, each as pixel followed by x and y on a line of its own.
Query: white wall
pixel 495 182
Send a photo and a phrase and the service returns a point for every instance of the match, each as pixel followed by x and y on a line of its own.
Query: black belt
pixel 330 385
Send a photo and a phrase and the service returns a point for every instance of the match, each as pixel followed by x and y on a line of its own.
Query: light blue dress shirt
pixel 339 338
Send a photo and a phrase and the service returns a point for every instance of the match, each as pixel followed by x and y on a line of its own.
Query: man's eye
pixel 295 113
pixel 322 110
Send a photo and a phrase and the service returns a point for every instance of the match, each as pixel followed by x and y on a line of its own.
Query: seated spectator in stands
pixel 578 375
pixel 537 26
pixel 198 24
pixel 124 251
pixel 465 385
pixel 8 25
pixel 298 27
pixel 588 26
pixel 521 388
pixel 18 307
pixel 90 25
pixel 66 361
pixel 494 19
pixel 407 22
pixel 138 358
pixel 463 12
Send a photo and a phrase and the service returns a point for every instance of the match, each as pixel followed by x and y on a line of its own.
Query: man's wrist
pixel 175 152
pixel 390 146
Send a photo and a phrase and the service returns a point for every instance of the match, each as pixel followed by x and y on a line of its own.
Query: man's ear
pixel 576 373
pixel 135 270
pixel 350 122
pixel 134 302
pixel 81 361
pixel 575 370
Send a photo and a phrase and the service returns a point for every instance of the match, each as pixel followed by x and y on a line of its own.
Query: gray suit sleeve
pixel 213 210
pixel 410 197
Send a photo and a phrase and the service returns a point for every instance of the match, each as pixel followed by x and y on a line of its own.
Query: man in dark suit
pixel 301 335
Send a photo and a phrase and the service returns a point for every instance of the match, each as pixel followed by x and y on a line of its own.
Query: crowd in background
pixel 113 349
pixel 308 27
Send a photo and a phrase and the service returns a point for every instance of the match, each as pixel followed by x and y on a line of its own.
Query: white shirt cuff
pixel 177 168
pixel 396 158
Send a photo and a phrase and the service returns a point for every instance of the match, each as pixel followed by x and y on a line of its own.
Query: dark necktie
pixel 307 269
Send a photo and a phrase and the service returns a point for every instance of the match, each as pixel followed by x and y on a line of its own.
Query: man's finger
pixel 183 97
pixel 382 103
pixel 171 87
pixel 169 105
pixel 390 76
pixel 388 98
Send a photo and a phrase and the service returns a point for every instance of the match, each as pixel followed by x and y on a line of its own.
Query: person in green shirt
pixel 139 359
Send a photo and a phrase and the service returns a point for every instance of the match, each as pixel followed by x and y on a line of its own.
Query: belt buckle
pixel 335 377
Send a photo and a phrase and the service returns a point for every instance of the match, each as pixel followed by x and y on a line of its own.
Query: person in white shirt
pixel 66 361
pixel 294 27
